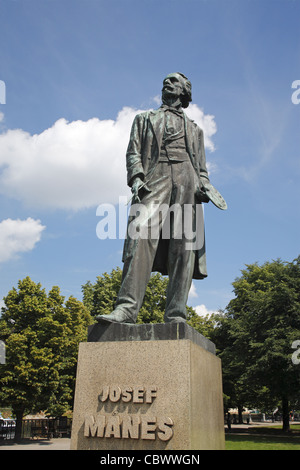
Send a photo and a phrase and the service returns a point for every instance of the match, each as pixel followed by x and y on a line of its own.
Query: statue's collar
pixel 178 111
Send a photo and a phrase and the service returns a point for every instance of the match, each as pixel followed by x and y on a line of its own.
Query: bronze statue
pixel 166 167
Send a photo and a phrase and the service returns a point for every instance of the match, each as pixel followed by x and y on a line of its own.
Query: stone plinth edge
pixel 100 332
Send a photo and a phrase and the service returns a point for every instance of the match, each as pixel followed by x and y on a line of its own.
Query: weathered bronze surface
pixel 166 168
pixel 148 332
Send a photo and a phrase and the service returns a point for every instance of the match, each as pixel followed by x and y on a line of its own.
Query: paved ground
pixel 38 444
pixel 260 424
pixel 64 443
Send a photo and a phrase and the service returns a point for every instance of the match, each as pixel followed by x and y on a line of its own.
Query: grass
pixel 264 438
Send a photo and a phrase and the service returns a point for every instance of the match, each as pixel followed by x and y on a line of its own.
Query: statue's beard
pixel 170 99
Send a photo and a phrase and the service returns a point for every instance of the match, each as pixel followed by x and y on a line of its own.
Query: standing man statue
pixel 166 167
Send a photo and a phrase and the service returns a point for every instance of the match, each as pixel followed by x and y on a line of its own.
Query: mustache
pixel 170 86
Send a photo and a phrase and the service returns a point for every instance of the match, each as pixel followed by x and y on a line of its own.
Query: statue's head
pixel 177 85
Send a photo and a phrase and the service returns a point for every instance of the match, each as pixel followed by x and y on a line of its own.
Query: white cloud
pixel 202 311
pixel 157 100
pixel 193 292
pixel 205 121
pixel 17 236
pixel 73 165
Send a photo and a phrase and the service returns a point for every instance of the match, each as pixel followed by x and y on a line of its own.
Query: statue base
pixel 147 387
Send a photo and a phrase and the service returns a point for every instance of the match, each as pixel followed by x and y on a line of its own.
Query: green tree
pixel 41 335
pixel 255 335
pixel 101 296
pixel 203 324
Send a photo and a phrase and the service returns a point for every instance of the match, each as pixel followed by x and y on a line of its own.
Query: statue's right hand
pixel 136 185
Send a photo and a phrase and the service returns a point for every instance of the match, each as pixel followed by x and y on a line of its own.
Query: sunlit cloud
pixel 74 165
pixel 18 236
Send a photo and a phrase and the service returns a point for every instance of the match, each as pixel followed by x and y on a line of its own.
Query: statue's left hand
pixel 201 194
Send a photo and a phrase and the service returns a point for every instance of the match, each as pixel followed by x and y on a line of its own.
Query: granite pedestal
pixel 147 387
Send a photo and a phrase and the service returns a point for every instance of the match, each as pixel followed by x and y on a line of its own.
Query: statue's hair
pixel 187 97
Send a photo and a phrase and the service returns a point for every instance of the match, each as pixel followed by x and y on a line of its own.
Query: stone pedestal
pixel 147 387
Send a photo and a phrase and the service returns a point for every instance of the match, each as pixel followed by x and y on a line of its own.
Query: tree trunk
pixel 19 419
pixel 240 412
pixel 285 414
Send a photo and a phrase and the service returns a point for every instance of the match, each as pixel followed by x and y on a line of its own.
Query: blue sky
pixel 75 74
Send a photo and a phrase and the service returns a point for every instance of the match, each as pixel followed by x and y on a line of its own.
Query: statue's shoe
pixel 174 320
pixel 114 317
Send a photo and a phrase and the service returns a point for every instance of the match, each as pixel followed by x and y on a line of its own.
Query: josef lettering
pixel 138 394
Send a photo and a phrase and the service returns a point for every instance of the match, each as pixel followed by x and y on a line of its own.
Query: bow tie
pixel 179 112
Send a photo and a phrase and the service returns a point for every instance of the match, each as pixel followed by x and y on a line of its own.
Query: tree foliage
pixel 41 334
pixel 255 335
pixel 101 296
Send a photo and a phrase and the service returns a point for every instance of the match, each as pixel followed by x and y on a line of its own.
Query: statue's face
pixel 173 85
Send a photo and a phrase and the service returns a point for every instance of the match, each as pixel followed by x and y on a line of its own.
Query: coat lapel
pixel 189 137
pixel 157 119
